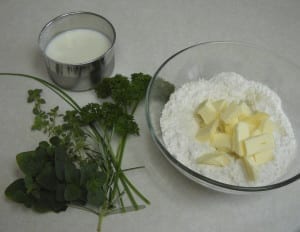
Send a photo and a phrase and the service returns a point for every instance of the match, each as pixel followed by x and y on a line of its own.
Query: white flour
pixel 179 127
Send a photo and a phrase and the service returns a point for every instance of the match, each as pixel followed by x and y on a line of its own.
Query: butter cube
pixel 220 105
pixel 216 158
pixel 205 134
pixel 221 127
pixel 228 128
pixel 207 112
pixel 221 141
pixel 256 132
pixel 267 126
pixel 231 113
pixel 259 143
pixel 245 110
pixel 225 128
pixel 241 132
pixel 251 168
pixel 252 127
pixel 256 118
pixel 263 157
pixel 238 148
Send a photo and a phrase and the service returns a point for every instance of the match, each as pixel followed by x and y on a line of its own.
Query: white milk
pixel 77 46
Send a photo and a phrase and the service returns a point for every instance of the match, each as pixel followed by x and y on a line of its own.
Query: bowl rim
pixel 178 165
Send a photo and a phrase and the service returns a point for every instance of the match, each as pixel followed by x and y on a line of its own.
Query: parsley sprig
pixel 80 166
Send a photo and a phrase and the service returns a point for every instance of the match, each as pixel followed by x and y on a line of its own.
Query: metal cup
pixel 83 76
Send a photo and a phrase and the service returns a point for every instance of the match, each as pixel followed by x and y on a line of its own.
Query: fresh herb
pixel 163 89
pixel 79 166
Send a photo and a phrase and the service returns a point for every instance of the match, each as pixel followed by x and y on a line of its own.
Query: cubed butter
pixel 220 105
pixel 263 157
pixel 256 132
pixel 251 124
pixel 228 128
pixel 207 112
pixel 221 126
pixel 241 132
pixel 245 110
pixel 221 141
pixel 251 168
pixel 267 126
pixel 235 129
pixel 256 118
pixel 216 158
pixel 231 113
pixel 206 133
pixel 259 143
pixel 225 128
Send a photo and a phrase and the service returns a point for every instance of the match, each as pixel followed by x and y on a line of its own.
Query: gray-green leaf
pixel 95 194
pixel 47 177
pixel 60 156
pixel 72 192
pixel 30 163
pixel 72 174
pixel 16 191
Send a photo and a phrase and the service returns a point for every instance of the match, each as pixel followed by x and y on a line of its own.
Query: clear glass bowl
pixel 208 59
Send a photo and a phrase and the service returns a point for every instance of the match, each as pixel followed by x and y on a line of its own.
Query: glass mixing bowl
pixel 207 59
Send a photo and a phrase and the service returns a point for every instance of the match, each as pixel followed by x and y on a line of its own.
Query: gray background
pixel 147 33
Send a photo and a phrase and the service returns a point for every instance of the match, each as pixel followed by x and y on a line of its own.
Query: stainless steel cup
pixel 83 76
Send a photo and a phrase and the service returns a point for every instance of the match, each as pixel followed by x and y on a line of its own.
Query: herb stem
pixel 102 213
pixel 134 107
pixel 135 189
pixel 119 158
pixel 127 209
pixel 123 210
pixel 129 193
pixel 83 208
pixel 133 168
pixel 54 88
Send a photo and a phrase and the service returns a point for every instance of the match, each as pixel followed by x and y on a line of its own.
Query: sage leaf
pixel 47 177
pixel 30 163
pixel 72 192
pixel 60 156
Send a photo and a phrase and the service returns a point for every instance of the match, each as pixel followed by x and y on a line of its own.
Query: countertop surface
pixel 148 32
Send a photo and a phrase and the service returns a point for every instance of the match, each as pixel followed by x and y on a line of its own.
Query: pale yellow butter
pixel 245 110
pixel 266 126
pixel 221 141
pixel 206 133
pixel 241 132
pixel 256 118
pixel 216 158
pixel 228 128
pixel 207 112
pixel 225 128
pixel 231 113
pixel 220 105
pixel 259 143
pixel 263 157
pixel 237 130
pixel 251 168
pixel 256 132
